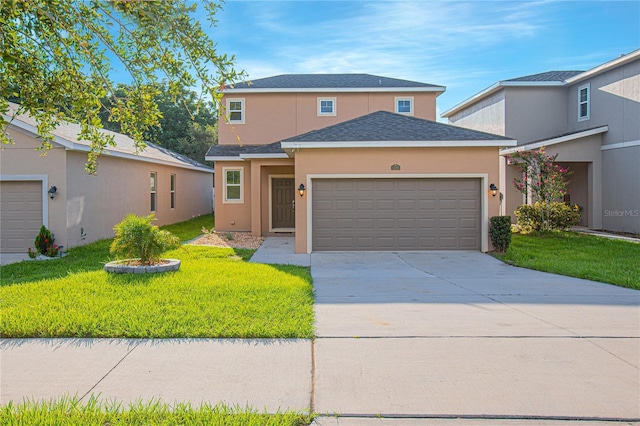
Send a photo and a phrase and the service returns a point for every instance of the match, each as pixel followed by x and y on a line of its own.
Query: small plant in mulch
pixel 140 242
pixel 44 244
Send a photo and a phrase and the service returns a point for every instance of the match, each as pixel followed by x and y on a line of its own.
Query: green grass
pixel 577 255
pixel 190 229
pixel 216 293
pixel 69 411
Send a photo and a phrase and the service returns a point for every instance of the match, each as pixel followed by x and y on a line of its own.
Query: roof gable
pixel 548 76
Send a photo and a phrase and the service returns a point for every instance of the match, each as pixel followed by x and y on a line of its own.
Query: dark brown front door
pixel 282 203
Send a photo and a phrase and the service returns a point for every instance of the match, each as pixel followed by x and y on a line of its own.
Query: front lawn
pixel 216 293
pixel 577 255
pixel 72 412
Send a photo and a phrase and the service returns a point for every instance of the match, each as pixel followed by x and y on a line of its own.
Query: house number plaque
pixel 395 167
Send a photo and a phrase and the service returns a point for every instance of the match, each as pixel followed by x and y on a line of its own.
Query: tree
pixel 546 180
pixel 57 56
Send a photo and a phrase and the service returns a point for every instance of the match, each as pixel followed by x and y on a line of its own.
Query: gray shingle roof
pixel 387 126
pixel 548 76
pixel 236 150
pixel 329 81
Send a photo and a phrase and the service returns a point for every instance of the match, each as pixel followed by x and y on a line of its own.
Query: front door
pixel 283 203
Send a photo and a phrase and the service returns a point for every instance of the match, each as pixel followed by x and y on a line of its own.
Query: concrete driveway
pixel 463 334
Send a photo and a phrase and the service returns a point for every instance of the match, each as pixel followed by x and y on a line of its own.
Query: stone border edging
pixel 120 267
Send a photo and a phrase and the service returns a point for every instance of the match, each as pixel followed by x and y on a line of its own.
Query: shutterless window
pixel 404 105
pixel 326 106
pixel 583 102
pixel 153 192
pixel 235 109
pixel 173 191
pixel 233 185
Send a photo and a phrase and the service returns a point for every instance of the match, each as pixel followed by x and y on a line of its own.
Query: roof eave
pixel 439 89
pixel 555 141
pixel 629 57
pixel 400 144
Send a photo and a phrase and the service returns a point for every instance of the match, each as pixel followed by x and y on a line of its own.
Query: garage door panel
pixel 397 214
pixel 20 215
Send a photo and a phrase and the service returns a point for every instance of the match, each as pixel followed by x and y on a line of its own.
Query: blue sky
pixel 465 46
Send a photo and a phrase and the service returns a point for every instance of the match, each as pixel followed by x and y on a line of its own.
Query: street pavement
pixel 402 338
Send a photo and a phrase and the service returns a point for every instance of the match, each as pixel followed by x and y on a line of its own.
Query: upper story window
pixel 235 109
pixel 152 191
pixel 232 185
pixel 584 98
pixel 404 105
pixel 173 191
pixel 326 106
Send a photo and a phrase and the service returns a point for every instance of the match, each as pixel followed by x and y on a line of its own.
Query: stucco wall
pixel 21 158
pixel 377 163
pixel 233 216
pixel 535 113
pixel 615 101
pixel 271 117
pixel 621 189
pixel 488 115
pixel 95 203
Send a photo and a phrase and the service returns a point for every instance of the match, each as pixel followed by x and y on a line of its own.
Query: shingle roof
pixel 387 126
pixel 330 81
pixel 236 150
pixel 548 76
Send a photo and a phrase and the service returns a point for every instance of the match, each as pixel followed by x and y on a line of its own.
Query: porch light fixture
pixel 301 189
pixel 494 189
pixel 52 192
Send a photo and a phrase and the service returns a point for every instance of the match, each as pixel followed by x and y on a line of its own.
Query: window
pixel 235 109
pixel 173 191
pixel 327 106
pixel 583 102
pixel 404 106
pixel 153 191
pixel 232 185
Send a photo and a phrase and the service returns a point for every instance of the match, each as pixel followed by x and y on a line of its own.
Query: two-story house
pixel 352 162
pixel 590 119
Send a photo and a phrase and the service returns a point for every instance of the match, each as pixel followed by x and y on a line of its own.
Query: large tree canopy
pixel 59 56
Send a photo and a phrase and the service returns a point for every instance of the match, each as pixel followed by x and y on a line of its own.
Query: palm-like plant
pixel 137 238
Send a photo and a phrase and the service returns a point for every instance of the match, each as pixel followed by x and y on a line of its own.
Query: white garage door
pixel 396 214
pixel 20 215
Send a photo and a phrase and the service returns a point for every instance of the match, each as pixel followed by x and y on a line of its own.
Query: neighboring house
pixel 352 162
pixel 85 208
pixel 591 119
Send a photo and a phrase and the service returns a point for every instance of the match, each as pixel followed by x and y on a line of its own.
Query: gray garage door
pixel 396 214
pixel 20 215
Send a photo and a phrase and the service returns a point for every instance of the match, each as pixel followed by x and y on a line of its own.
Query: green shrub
pixel 44 243
pixel 500 232
pixel 546 216
pixel 137 238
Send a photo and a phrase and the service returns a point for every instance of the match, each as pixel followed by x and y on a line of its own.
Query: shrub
pixel 500 232
pixel 136 237
pixel 44 243
pixel 546 216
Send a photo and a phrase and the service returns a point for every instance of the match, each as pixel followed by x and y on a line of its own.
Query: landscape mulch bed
pixel 242 240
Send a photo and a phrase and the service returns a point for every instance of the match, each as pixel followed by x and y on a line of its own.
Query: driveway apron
pixel 463 334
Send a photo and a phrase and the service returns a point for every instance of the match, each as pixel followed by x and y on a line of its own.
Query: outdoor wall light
pixel 301 189
pixel 52 192
pixel 494 189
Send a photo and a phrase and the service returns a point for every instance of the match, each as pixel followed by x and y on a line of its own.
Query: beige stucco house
pixel 352 162
pixel 591 119
pixel 84 208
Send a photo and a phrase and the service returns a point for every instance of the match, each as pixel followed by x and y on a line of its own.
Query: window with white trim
pixel 584 107
pixel 404 105
pixel 233 185
pixel 235 110
pixel 327 106
pixel 173 191
pixel 153 191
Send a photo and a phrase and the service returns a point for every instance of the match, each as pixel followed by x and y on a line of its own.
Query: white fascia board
pixel 222 158
pixel 278 155
pixel 73 146
pixel 337 90
pixel 400 144
pixel 555 141
pixel 619 145
pixel 494 88
pixel 605 67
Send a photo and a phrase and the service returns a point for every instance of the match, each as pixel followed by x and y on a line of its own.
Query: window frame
pixel 587 102
pixel 172 191
pixel 242 110
pixel 403 98
pixel 225 185
pixel 153 192
pixel 334 108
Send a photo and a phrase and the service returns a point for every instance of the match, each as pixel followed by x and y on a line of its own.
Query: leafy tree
pixel 541 176
pixel 57 57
